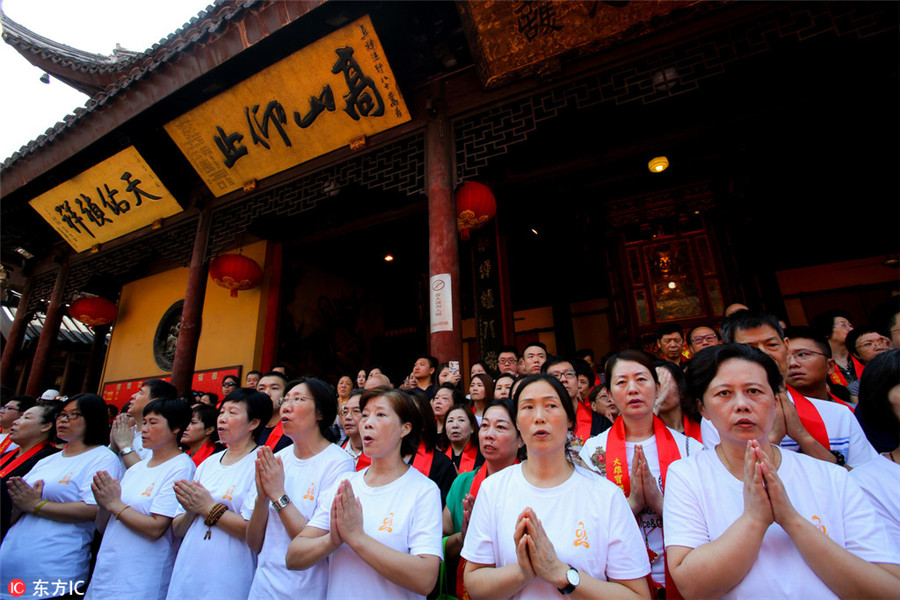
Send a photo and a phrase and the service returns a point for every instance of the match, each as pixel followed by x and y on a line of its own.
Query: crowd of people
pixel 746 460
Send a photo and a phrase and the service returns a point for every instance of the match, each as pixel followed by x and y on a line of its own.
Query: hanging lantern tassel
pixel 235 272
pixel 475 206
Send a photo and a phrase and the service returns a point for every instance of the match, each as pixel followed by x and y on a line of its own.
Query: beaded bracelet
pixel 215 513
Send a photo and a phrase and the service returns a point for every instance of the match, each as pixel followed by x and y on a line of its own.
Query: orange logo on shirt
pixel 386 525
pixel 228 493
pixel 581 536
pixel 310 493
pixel 149 490
pixel 818 523
pixel 67 479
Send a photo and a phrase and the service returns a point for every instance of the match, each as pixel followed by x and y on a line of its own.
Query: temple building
pixel 331 185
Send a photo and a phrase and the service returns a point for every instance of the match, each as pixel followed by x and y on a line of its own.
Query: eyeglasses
pixel 710 337
pixel 229 384
pixel 68 416
pixel 879 343
pixel 805 355
pixel 295 398
pixel 564 374
pixel 507 361
pixel 846 326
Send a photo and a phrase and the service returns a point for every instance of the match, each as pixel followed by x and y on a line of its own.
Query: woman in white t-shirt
pixel 138 549
pixel 214 560
pixel 289 488
pixel 54 504
pixel 750 521
pixel 381 527
pixel 545 526
pixel 635 453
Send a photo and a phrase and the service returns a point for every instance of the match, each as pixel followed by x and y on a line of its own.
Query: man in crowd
pixel 670 341
pixel 587 422
pixel 818 428
pixel 864 344
pixel 701 337
pixel 273 385
pixel 253 379
pixel 126 440
pixel 507 360
pixel 834 326
pixel 423 374
pixel 810 365
pixel 535 355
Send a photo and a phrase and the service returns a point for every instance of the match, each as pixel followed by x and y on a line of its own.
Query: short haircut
pixel 175 411
pixel 508 349
pixel 473 424
pixel 557 387
pixel 431 360
pixel 705 365
pixel 688 405
pixel 212 396
pixel 25 402
pixel 536 344
pixel 749 319
pixel 406 410
pixel 808 333
pixel 853 338
pixel 584 353
pixel 279 374
pixel 208 415
pixel 160 389
pixel 324 398
pixel 96 418
pixel 488 385
pixel 257 405
pixel 553 359
pixel 581 367
pixel 257 373
pixel 668 328
pixel 823 324
pixel 693 329
pixel 234 378
pixel 632 356
pixel 874 410
pixel 595 391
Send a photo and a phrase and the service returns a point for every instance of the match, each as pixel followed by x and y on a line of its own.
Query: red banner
pixel 120 392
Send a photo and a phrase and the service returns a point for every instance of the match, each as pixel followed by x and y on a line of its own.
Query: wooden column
pixel 16 334
pixel 443 251
pixel 49 333
pixel 192 312
pixel 95 360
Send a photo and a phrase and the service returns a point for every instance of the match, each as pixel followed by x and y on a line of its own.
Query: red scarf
pixel 5 444
pixel 837 400
pixel 275 436
pixel 467 459
pixel 692 429
pixel 423 459
pixel 362 461
pixel 8 467
pixel 838 378
pixel 203 453
pixel 584 418
pixel 810 418
pixel 617 458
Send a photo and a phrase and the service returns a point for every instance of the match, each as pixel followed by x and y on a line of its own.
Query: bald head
pixel 377 380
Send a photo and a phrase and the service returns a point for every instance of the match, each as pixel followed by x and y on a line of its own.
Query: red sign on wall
pixel 120 392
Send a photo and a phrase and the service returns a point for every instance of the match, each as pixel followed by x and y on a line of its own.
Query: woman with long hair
pixel 481 392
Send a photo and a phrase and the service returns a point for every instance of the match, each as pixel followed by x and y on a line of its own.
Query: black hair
pixel 853 338
pixel 508 348
pixel 507 405
pixel 160 389
pixel 557 387
pixel 407 410
pixel 749 319
pixel 553 359
pixel 632 356
pixel 584 353
pixel 257 405
pixel 581 367
pixel 437 377
pixel 693 329
pixel 688 406
pixel 874 411
pixel 823 324
pixel 458 396
pixel 25 402
pixel 249 373
pixel 96 418
pixel 208 415
pixel 283 377
pixel 429 422
pixel 488 385
pixel 49 411
pixel 324 397
pixel 535 343
pixel 473 423
pixel 212 396
pixel 234 378
pixel 668 328
pixel 705 365
pixel 808 333
pixel 175 411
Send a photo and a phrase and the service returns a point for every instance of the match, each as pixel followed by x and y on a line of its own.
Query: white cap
pixel 50 395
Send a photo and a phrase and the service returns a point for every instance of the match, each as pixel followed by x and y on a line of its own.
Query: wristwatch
pixel 573 578
pixel 281 503
pixel 126 451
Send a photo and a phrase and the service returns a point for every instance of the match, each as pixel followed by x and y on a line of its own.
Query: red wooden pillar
pixel 192 311
pixel 35 386
pixel 16 334
pixel 443 251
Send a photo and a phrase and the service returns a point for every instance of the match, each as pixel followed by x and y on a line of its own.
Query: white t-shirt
pixel 587 518
pixel 12 444
pixel 404 515
pixel 36 548
pixel 844 433
pixel 304 481
pixel 650 522
pixel 138 444
pixel 703 500
pixel 130 565
pixel 879 479
pixel 223 565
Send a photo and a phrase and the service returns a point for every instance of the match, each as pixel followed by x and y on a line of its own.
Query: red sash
pixel 838 377
pixel 5 444
pixel 423 459
pixel 837 400
pixel 584 417
pixel 203 453
pixel 8 467
pixel 692 429
pixel 275 436
pixel 810 418
pixel 467 459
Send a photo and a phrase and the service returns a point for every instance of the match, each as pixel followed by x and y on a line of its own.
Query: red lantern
pixel 475 206
pixel 235 272
pixel 93 311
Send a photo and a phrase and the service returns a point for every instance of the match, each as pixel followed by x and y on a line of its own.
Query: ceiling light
pixel 534 231
pixel 388 258
pixel 658 164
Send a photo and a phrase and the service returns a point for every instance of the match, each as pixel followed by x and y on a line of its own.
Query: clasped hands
pixel 535 552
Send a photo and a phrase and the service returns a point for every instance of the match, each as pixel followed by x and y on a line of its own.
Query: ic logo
pixel 16 587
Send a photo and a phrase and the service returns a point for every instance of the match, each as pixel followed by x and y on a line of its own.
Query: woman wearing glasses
pixel 229 384
pixel 54 508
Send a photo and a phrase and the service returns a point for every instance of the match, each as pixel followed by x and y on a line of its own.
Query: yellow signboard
pixel 115 197
pixel 312 102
